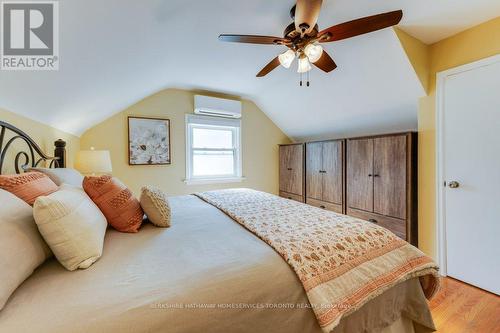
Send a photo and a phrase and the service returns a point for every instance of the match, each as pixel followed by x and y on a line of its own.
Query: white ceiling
pixel 115 52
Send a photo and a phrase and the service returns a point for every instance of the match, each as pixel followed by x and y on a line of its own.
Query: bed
pixel 204 273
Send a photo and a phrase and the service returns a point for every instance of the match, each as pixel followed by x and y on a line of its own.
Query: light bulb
pixel 287 58
pixel 304 65
pixel 313 52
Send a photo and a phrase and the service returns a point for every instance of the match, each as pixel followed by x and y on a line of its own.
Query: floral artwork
pixel 149 141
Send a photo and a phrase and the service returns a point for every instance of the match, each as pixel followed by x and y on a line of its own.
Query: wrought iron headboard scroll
pixel 32 157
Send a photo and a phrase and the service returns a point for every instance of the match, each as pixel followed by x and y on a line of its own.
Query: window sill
pixel 214 181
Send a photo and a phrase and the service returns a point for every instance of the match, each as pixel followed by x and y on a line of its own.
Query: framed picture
pixel 148 141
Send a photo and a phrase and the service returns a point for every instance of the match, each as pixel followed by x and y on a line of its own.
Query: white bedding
pixel 144 282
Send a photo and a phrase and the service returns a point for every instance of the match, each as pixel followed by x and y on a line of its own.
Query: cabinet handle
pixel 370 175
pixel 322 171
pixel 290 198
pixel 372 221
pixel 376 175
pixel 289 169
pixel 322 207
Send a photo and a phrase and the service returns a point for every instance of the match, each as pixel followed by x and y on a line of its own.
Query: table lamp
pixel 93 162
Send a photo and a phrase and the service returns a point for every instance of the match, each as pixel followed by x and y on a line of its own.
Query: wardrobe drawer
pixel 291 196
pixel 397 226
pixel 325 205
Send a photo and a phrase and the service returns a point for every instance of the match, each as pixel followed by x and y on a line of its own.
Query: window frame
pixel 207 122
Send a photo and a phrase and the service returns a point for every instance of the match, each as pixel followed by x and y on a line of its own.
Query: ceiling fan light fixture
pixel 302 37
pixel 304 64
pixel 313 52
pixel 287 58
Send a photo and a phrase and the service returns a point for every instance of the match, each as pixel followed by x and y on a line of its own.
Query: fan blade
pixel 269 67
pixel 325 63
pixel 253 39
pixel 306 15
pixel 361 26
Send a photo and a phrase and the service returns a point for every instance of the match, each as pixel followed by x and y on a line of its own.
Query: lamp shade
pixel 93 161
pixel 286 58
pixel 313 52
pixel 304 65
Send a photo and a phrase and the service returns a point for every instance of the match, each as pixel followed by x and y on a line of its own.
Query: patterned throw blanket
pixel 341 261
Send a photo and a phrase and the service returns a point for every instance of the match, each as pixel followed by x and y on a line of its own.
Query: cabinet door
pixel 284 172
pixel 390 176
pixel 314 177
pixel 359 174
pixel 332 176
pixel 296 169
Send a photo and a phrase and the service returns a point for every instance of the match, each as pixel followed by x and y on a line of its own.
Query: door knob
pixel 454 184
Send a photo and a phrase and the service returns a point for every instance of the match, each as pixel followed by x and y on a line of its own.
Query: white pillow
pixel 22 248
pixel 62 176
pixel 155 204
pixel 72 226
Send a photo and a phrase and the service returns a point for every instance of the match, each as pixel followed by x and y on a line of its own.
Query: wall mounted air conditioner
pixel 217 107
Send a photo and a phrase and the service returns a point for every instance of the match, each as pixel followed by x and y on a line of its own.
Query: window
pixel 213 149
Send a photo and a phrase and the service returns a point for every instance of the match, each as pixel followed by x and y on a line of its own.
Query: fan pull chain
pixel 308 82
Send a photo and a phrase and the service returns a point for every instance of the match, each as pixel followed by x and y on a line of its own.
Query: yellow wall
pixel 471 45
pixel 418 54
pixel 259 145
pixel 42 134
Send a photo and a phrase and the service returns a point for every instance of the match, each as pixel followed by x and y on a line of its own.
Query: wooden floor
pixel 461 308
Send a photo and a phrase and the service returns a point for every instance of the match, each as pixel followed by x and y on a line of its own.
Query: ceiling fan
pixel 303 37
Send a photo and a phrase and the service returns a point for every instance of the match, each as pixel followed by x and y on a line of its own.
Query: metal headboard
pixel 33 156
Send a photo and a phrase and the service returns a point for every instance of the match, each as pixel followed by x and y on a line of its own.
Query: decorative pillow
pixel 28 186
pixel 72 226
pixel 122 210
pixel 62 176
pixel 22 248
pixel 155 204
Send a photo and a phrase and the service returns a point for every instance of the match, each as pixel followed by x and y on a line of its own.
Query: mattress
pixel 204 273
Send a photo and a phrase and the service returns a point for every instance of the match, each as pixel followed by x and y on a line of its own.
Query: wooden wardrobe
pixel 291 171
pixel 325 175
pixel 373 178
pixel 382 182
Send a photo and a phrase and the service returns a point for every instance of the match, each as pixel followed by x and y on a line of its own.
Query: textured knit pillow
pixel 122 210
pixel 155 204
pixel 62 176
pixel 72 226
pixel 22 248
pixel 28 186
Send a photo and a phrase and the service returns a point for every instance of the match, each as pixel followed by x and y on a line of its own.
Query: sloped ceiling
pixel 115 52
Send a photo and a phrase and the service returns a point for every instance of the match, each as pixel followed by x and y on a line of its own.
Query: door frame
pixel 440 150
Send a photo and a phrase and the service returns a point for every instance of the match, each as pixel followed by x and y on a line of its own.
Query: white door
pixel 470 98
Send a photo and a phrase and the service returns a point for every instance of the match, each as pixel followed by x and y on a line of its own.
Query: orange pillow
pixel 115 201
pixel 28 186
